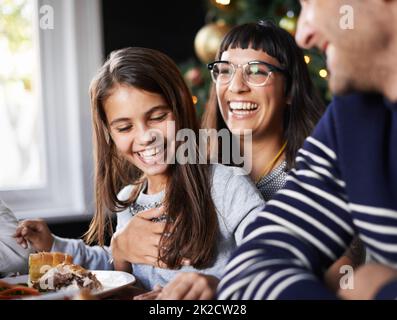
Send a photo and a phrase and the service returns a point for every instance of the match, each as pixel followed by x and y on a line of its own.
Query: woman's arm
pixel 137 241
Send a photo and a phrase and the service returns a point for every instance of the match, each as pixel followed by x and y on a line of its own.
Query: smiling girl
pixel 203 209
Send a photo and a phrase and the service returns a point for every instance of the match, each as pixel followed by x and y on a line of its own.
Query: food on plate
pixel 52 272
pixel 40 262
pixel 67 276
pixel 15 291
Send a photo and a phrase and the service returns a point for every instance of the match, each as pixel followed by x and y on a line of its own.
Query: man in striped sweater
pixel 345 181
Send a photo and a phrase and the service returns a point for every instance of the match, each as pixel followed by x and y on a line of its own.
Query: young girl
pixel 198 212
pixel 171 217
pixel 203 209
pixel 262 83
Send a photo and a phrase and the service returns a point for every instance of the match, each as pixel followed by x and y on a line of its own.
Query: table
pixel 126 293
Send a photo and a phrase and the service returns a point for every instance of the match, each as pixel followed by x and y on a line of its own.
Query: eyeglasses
pixel 255 73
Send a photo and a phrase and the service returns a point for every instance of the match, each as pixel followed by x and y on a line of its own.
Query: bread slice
pixel 40 263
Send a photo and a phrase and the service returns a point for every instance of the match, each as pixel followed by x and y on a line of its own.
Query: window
pixel 22 162
pixel 45 134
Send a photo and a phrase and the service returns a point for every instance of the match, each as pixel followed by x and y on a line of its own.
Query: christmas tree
pixel 223 15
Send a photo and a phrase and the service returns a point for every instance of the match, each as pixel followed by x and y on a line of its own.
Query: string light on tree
pixel 223 2
pixel 323 73
pixel 289 22
pixel 222 5
pixel 307 59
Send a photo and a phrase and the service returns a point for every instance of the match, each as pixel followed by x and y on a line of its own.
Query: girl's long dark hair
pixel 306 106
pixel 192 223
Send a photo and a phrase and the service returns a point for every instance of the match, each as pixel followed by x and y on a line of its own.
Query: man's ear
pixel 390 1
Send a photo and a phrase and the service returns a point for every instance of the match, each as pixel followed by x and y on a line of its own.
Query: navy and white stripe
pixel 342 186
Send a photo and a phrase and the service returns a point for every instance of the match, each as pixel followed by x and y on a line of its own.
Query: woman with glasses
pixel 261 83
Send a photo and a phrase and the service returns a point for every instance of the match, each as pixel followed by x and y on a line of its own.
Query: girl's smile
pixel 152 155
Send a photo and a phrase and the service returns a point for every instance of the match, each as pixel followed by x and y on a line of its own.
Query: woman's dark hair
pixel 192 222
pixel 306 106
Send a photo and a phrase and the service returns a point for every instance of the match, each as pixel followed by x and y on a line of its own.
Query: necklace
pixel 271 164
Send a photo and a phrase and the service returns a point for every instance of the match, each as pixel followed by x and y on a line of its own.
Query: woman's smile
pixel 241 110
pixel 249 107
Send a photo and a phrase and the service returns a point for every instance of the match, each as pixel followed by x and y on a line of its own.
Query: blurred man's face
pixel 353 34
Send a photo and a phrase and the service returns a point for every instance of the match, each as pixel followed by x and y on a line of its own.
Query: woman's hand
pixel 190 286
pixel 151 295
pixel 333 276
pixel 138 241
pixel 368 280
pixel 36 233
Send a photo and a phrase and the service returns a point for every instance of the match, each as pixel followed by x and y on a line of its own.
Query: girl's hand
pixel 138 240
pixel 36 233
pixel 190 286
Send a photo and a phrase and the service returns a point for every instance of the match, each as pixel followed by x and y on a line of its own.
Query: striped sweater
pixel 344 184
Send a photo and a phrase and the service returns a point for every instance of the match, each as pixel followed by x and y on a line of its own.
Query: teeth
pixel 243 106
pixel 149 152
pixel 242 112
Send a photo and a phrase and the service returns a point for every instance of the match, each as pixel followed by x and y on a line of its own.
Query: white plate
pixel 111 282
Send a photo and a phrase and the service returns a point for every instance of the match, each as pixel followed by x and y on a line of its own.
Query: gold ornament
pixel 289 22
pixel 194 77
pixel 208 40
